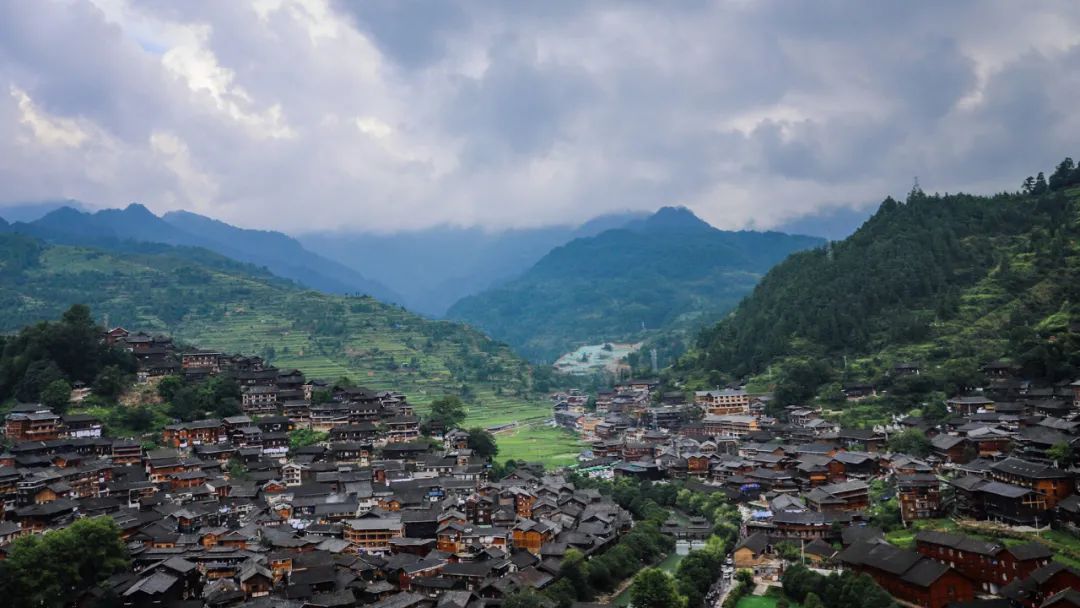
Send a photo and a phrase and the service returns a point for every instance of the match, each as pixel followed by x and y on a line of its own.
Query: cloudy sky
pixel 309 114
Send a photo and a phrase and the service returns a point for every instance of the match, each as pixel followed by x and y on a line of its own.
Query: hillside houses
pixel 226 513
pixel 805 479
pixel 365 517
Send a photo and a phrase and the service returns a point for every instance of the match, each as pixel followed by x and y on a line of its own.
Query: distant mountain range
pixel 653 273
pixel 435 267
pixel 118 229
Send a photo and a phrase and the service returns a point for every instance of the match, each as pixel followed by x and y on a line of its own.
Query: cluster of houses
pixel 803 479
pixel 227 514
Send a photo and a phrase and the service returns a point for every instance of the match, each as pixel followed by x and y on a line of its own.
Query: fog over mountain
pixel 435 267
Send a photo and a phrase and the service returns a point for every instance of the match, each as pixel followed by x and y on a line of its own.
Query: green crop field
pixel 552 446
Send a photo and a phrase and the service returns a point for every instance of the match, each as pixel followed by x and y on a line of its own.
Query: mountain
pixel 28 212
pixel 282 254
pixel 658 272
pixel 115 228
pixel 208 300
pixel 949 282
pixel 435 267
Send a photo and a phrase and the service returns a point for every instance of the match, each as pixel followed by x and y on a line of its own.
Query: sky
pixel 305 115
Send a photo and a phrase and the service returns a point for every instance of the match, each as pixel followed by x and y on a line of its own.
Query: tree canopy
pixel 447 412
pixel 654 588
pixel 482 443
pixel 51 570
pixel 69 350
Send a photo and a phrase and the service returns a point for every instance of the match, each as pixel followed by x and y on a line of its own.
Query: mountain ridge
pixel 114 228
pixel 654 273
pixel 435 267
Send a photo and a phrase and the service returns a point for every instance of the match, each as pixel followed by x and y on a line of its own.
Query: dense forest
pixel 950 282
pixel 665 272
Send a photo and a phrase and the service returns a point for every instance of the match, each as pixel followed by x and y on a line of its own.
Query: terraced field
pixel 211 302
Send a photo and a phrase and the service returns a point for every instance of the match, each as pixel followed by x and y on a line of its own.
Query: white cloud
pixel 47 130
pixel 308 114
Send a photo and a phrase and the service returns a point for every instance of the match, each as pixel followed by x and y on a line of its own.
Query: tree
pixel 912 442
pixel 168 386
pixel 574 570
pixel 812 601
pixel 447 412
pixel 1060 453
pixel 139 418
pixel 482 443
pixel 524 599
pixel 110 383
pixel 237 469
pixel 654 588
pixel 1062 175
pixel 57 395
pixel 53 569
pixel 1040 184
pixel 302 438
pixel 38 375
pixel 1028 185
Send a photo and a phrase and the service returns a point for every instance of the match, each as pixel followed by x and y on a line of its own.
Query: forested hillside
pixel 949 282
pixel 207 300
pixel 657 273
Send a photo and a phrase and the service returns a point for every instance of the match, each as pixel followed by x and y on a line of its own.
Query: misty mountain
pixel 28 212
pixel 834 224
pixel 655 273
pixel 117 229
pixel 435 267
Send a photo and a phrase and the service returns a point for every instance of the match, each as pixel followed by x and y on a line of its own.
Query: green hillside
pixel 666 271
pixel 949 282
pixel 207 300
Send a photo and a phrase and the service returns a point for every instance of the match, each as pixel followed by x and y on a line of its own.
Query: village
pixel 225 513
pixel 984 511
pixel 390 510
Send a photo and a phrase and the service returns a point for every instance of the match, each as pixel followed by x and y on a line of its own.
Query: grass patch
pixel 769 600
pixel 905 537
pixel 552 446
pixel 757 601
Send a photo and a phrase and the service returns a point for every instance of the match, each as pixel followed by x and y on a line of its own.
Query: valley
pixel 400 304
pixel 663 275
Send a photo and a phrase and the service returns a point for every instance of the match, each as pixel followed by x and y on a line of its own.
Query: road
pixel 720 589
